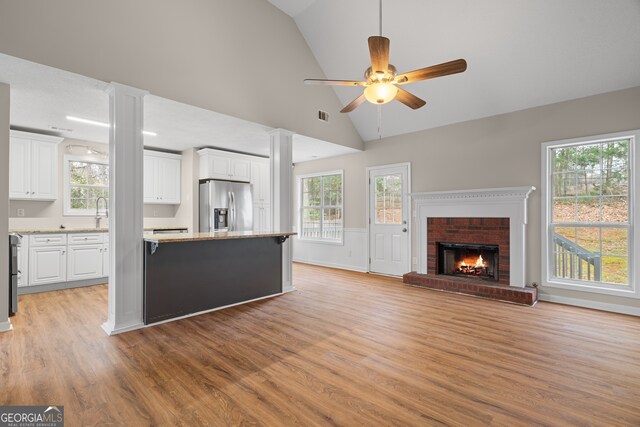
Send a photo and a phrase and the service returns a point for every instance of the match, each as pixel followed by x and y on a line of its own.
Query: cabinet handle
pixel 64 252
pixel 26 192
pixel 33 192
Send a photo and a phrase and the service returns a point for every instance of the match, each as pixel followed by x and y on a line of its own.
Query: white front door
pixel 388 220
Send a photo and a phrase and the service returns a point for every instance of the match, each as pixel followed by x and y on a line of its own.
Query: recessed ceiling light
pixel 102 124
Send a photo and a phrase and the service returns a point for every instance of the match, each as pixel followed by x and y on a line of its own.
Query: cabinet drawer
pixel 86 238
pixel 47 239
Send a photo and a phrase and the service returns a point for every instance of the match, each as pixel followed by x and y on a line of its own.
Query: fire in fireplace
pixel 477 261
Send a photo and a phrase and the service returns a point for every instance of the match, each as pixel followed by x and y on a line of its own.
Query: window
pixel 84 182
pixel 388 203
pixel 321 214
pixel 588 208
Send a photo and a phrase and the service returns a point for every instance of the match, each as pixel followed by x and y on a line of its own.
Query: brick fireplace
pixel 471 232
pixel 473 242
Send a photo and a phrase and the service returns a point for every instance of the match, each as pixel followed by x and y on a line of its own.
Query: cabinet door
pixel 219 167
pixel 150 180
pixel 169 179
pixel 23 263
pixel 20 168
pixel 261 180
pixel 241 170
pixel 84 262
pixel 105 261
pixel 47 264
pixel 44 170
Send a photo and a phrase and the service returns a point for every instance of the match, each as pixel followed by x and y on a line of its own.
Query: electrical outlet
pixel 20 212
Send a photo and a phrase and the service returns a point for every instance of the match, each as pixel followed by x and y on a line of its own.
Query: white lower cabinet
pixel 47 264
pixel 84 262
pixel 58 258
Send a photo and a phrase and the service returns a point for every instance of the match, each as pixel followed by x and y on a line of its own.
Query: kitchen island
pixel 190 273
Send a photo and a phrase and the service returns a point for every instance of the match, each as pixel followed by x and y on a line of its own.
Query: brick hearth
pixel 462 285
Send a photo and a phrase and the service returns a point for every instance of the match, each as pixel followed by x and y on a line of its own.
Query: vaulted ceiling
pixel 521 53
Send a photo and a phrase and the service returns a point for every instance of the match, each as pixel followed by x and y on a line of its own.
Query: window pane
pixel 564 184
pixel 615 209
pixel 97 174
pixel 588 209
pixel 388 199
pixel 311 223
pixel 563 159
pixel 615 269
pixel 332 224
pixel 331 187
pixel 78 173
pixel 311 191
pixel 564 210
pixel 615 241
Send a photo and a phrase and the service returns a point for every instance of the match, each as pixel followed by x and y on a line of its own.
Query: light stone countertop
pixel 222 235
pixel 79 230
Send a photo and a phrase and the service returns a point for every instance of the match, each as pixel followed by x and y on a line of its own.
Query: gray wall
pixel 499 151
pixel 242 58
pixel 4 202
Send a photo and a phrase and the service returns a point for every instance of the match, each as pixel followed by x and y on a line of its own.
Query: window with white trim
pixel 588 214
pixel 321 212
pixel 84 182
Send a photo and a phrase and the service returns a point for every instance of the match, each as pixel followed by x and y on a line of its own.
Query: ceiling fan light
pixel 380 93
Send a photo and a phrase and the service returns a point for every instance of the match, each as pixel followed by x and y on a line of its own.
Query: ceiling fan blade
pixel 333 82
pixel 452 67
pixel 354 104
pixel 379 52
pixel 409 99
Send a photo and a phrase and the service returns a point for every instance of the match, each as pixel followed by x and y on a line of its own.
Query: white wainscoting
pixel 352 255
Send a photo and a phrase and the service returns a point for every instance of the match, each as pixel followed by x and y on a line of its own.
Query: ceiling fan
pixel 381 80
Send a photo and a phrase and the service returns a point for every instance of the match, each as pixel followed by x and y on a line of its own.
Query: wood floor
pixel 345 349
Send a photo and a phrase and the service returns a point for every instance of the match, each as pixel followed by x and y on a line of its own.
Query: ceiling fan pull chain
pixel 379 121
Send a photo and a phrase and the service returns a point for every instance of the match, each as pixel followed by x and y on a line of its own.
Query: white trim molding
pixel 594 305
pixel 508 202
pixel 548 281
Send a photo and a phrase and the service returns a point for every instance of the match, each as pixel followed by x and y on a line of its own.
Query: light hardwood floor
pixel 345 349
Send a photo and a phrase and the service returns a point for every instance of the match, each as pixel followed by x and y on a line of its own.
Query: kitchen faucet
pixel 106 210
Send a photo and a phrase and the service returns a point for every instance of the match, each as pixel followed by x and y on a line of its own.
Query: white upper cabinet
pixel 216 164
pixel 33 166
pixel 162 178
pixel 261 180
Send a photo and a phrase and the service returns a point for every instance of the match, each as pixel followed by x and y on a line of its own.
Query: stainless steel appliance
pixel 225 206
pixel 14 241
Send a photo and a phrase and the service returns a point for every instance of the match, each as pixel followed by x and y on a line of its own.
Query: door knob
pixel 404 230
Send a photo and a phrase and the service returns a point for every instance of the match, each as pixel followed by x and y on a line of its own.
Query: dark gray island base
pixel 186 274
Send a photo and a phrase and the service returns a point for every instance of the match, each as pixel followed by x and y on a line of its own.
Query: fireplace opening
pixel 463 260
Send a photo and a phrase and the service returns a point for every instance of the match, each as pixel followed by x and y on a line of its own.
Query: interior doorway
pixel 389 219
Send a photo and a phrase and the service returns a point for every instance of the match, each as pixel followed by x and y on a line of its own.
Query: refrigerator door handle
pixel 232 208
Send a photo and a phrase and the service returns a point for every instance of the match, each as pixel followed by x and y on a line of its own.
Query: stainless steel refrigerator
pixel 225 206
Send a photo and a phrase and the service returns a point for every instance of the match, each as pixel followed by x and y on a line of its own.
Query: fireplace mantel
pixel 509 202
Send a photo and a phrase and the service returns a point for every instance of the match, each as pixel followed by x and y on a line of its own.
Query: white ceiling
pixel 521 53
pixel 42 97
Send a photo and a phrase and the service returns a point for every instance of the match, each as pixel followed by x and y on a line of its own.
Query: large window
pixel 589 214
pixel 321 213
pixel 85 181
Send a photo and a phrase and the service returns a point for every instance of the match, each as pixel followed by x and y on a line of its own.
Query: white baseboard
pixel 331 265
pixel 112 330
pixel 6 326
pixel 596 305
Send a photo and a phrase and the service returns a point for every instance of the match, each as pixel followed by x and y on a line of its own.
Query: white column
pixel 126 105
pixel 5 323
pixel 281 190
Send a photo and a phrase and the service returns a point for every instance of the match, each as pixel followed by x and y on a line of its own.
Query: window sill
pixel 628 292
